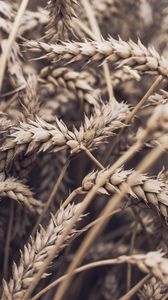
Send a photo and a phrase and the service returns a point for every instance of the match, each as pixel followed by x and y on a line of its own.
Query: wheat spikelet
pixel 159 98
pixel 36 252
pixel 113 8
pixel 123 75
pixel 104 8
pixel 153 192
pixel 135 55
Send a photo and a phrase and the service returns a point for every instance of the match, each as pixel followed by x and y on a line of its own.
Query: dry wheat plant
pixel 84 149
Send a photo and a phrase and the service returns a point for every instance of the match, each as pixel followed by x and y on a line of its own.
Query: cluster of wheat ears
pixel 83 149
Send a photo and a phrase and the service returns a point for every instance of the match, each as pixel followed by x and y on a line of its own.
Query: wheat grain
pixel 159 98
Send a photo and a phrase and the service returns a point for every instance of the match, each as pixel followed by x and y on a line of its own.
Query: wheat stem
pixel 93 158
pixel 95 28
pixel 11 39
pixel 89 266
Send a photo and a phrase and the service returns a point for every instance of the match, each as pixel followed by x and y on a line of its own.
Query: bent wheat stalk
pixel 143 261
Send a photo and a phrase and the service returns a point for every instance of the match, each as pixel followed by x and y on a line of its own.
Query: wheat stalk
pixel 36 251
pixel 13 62
pixel 135 55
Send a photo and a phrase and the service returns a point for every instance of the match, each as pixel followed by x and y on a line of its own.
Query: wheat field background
pixel 83 149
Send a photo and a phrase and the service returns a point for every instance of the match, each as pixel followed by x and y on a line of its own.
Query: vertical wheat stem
pixel 11 39
pixel 96 30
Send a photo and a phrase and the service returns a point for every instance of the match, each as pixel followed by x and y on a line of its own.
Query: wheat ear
pixel 40 136
pixel 35 252
pixel 153 192
pixel 61 13
pixel 135 55
pixel 16 190
pixel 77 82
